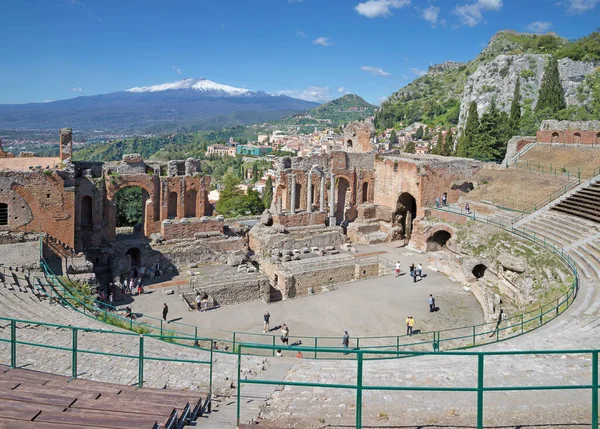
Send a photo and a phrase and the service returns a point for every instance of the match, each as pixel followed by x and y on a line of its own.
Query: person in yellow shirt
pixel 409 325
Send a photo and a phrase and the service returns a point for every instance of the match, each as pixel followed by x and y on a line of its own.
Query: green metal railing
pixel 480 388
pixel 76 351
pixel 447 339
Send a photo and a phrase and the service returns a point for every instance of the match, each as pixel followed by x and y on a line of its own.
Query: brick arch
pixel 577 138
pixel 22 204
pixel 112 188
pixel 152 203
pixel 437 237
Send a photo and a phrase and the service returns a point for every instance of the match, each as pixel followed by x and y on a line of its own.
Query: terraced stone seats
pixel 31 399
pixel 585 203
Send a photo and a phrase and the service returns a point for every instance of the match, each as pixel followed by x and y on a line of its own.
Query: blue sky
pixel 311 49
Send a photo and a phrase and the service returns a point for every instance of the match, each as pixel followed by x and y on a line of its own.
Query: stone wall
pixel 515 144
pixel 289 220
pixel 186 228
pixel 263 238
pixel 248 287
pixel 569 132
pixel 358 136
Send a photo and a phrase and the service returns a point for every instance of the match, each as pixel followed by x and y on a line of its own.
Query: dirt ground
pixel 512 188
pixel 570 158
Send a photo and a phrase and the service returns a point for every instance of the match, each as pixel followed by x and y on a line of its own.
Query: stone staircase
pixel 585 203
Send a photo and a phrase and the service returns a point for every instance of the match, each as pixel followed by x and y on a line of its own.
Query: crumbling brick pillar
pixel 66 143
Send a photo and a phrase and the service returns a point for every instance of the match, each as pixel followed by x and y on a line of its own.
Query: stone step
pixel 544 225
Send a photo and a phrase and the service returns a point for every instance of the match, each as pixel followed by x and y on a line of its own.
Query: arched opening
pixel 134 258
pixel 190 203
pixel 437 241
pixel 130 205
pixel 342 189
pixel 172 205
pixel 298 195
pixel 365 192
pixel 349 143
pixel 598 138
pixel 87 211
pixel 577 138
pixel 281 199
pixel 554 137
pixel 3 214
pixel 479 271
pixel 406 211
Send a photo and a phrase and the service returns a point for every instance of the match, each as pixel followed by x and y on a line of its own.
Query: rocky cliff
pixel 497 79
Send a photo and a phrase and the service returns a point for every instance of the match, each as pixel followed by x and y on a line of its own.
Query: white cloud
pixel 341 90
pixel 374 71
pixel 78 89
pixel 431 14
pixel 323 41
pixel 405 77
pixel 312 93
pixel 580 6
pixel 379 8
pixel 176 69
pixel 301 34
pixel 418 72
pixel 471 14
pixel 539 26
pixel 45 101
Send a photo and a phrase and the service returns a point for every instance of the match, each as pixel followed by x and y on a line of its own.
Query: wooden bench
pixel 105 420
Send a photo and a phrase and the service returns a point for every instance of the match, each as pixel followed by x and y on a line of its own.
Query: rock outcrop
pixel 497 79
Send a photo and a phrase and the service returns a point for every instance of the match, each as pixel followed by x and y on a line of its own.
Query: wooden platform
pixel 31 399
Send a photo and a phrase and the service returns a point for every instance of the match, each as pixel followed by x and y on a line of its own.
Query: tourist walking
pixel 266 318
pixel 165 312
pixel 410 322
pixel 431 303
pixel 397 268
pixel 346 341
pixel 205 302
pixel 413 272
pixel 467 208
pixel 437 202
pixel 111 299
pixel 419 271
pixel 285 334
pixel 445 199
pixel 198 302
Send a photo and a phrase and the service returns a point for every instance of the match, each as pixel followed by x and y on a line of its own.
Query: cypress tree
pixel 470 133
pixel 393 137
pixel 268 193
pixel 551 97
pixel 515 110
pixel 439 147
pixel 448 147
pixel 485 146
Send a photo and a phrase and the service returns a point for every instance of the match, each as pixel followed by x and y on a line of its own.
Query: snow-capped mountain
pixel 205 86
pixel 187 105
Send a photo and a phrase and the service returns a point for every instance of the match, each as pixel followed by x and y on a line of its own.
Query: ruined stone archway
pixel 554 138
pixel 577 138
pixel 349 143
pixel 172 205
pixel 406 212
pixel 86 211
pixel 343 186
pixel 479 270
pixel 130 207
pixel 437 241
pixel 190 203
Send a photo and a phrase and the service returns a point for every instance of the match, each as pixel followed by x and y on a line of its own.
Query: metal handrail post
pixel 74 354
pixel 359 384
pixel 210 386
pixel 480 371
pixel 13 343
pixel 239 387
pixel 141 363
pixel 595 389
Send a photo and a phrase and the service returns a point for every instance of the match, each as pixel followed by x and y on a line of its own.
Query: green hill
pixel 334 113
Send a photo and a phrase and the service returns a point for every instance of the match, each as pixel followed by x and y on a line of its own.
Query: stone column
pixel 293 196
pixel 309 193
pixel 322 199
pixel 332 221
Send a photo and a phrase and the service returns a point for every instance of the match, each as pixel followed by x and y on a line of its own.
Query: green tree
pixel 515 109
pixel 484 147
pixel 419 134
pixel 254 172
pixel 439 146
pixel 129 206
pixel 393 137
pixel 470 133
pixel 448 146
pixel 268 192
pixel 551 97
pixel 409 147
